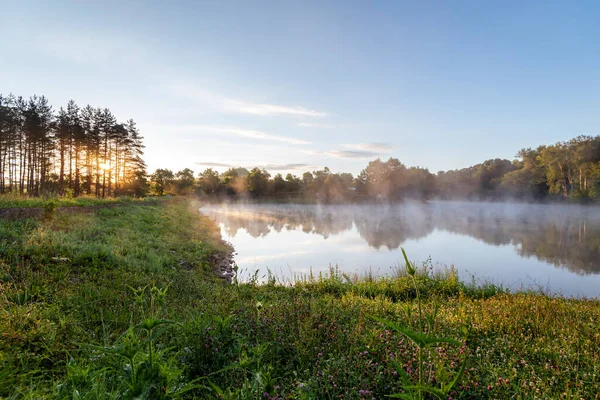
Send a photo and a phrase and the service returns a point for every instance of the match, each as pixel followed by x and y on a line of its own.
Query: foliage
pixel 162 180
pixel 563 171
pixel 72 152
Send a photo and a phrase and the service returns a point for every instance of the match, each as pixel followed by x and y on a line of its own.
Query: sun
pixel 104 166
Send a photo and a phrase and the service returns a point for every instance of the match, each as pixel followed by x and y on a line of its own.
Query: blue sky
pixel 301 85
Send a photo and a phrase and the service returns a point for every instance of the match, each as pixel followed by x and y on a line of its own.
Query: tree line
pixel 85 150
pixel 563 171
pixel 73 151
pixel 386 180
pixel 568 170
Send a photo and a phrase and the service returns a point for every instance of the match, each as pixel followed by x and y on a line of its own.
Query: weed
pixel 423 337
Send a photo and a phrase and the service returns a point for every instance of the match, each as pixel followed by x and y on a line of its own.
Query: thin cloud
pixel 311 125
pixel 373 147
pixel 214 164
pixel 271 109
pixel 347 154
pixel 356 151
pixel 262 135
pixel 269 167
pixel 249 133
pixel 230 104
pixel 352 154
pixel 283 167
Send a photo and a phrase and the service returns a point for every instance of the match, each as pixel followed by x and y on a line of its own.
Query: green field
pixel 123 303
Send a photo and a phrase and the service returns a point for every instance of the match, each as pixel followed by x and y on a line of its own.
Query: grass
pixel 122 303
pixel 19 201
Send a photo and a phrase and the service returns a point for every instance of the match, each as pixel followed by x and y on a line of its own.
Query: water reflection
pixel 563 236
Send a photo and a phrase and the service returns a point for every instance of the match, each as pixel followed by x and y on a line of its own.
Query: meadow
pixel 125 303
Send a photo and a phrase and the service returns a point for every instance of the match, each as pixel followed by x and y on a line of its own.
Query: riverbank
pixel 126 301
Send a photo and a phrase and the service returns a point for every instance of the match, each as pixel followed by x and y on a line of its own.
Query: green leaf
pixel 151 323
pixel 216 389
pixel 410 268
pixel 403 375
pixel 156 334
pixel 418 338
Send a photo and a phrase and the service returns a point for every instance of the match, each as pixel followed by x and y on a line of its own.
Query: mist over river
pixel 554 247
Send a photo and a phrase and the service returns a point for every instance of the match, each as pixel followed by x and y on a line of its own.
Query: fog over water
pixel 556 247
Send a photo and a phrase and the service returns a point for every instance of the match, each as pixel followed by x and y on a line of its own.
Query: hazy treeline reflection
pixel 562 235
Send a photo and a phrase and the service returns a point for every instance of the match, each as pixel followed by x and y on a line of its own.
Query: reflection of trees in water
pixel 260 220
pixel 564 236
pixel 390 226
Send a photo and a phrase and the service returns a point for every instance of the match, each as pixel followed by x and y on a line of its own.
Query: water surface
pixel 554 247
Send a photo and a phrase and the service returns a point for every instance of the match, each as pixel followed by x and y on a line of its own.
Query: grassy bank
pixel 18 201
pixel 123 303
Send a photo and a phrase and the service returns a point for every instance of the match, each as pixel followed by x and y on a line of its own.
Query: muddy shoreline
pixel 224 263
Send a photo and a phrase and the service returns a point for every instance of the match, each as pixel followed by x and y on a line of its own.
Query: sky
pixel 293 86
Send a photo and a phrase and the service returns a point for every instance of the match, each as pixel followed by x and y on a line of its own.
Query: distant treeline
pixel 563 171
pixel 70 152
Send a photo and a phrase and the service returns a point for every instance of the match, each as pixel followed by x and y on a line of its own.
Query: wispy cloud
pixel 324 126
pixel 283 167
pixel 357 151
pixel 268 167
pixel 271 109
pixel 262 135
pixel 373 147
pixel 249 133
pixel 230 104
pixel 353 154
pixel 214 164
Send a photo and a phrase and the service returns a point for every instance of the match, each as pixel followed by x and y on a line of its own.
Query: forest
pixel 565 171
pixel 72 152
